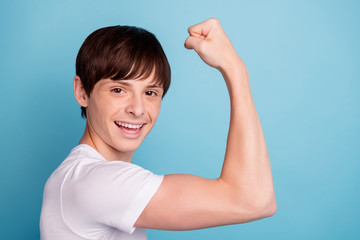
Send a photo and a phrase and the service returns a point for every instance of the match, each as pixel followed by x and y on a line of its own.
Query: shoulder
pixel 85 167
pixel 94 186
pixel 85 172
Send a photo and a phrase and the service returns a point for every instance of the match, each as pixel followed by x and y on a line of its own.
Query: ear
pixel 79 92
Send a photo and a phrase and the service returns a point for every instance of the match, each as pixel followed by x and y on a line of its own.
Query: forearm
pixel 246 166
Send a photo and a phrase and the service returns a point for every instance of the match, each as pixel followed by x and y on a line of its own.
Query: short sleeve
pixel 107 193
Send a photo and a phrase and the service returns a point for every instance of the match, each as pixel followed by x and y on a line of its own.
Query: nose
pixel 136 106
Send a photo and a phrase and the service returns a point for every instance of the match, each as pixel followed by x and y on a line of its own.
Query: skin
pixel 136 102
pixel 244 192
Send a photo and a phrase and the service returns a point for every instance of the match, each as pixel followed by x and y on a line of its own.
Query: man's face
pixel 121 113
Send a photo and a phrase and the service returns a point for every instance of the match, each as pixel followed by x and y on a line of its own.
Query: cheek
pixel 100 109
pixel 154 110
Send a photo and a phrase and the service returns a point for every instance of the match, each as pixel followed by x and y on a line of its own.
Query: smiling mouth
pixel 129 128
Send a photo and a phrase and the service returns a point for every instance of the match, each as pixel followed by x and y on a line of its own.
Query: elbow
pixel 249 205
pixel 270 209
pixel 267 208
pixel 261 208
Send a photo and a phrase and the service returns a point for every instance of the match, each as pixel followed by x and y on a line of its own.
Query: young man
pixel 97 193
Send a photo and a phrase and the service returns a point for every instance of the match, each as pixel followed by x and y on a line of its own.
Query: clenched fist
pixel 209 40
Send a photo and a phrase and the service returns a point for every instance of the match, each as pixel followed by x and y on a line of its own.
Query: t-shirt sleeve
pixel 110 193
pixel 139 199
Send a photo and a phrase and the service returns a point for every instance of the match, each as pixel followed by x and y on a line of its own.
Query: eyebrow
pixel 125 82
pixel 153 86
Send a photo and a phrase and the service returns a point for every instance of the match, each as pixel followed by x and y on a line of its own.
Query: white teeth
pixel 128 125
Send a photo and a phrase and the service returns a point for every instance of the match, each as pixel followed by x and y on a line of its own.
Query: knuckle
pixel 214 20
pixel 187 42
pixel 189 29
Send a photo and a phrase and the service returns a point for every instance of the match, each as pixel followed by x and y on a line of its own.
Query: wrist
pixel 236 76
pixel 234 70
pixel 233 66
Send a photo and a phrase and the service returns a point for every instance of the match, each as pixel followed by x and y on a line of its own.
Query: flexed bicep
pixel 185 202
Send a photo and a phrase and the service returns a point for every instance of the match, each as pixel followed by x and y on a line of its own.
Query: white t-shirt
pixel 88 197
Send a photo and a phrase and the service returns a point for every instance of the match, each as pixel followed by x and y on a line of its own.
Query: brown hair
pixel 121 52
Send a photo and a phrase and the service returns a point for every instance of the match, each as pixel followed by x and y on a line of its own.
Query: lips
pixel 130 129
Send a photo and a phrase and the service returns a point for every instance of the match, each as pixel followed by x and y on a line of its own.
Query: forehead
pixel 148 73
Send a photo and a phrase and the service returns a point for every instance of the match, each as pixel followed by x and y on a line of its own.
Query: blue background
pixel 303 60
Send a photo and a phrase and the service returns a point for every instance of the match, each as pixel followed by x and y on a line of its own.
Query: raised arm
pixel 244 192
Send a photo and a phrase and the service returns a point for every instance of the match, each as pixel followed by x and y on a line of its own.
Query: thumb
pixel 193 43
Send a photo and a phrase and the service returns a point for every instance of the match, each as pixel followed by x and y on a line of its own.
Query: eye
pixel 151 93
pixel 117 90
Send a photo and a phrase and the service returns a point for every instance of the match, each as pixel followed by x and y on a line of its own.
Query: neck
pixel 108 152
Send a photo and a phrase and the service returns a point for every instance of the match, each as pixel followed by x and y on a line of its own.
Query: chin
pixel 127 146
